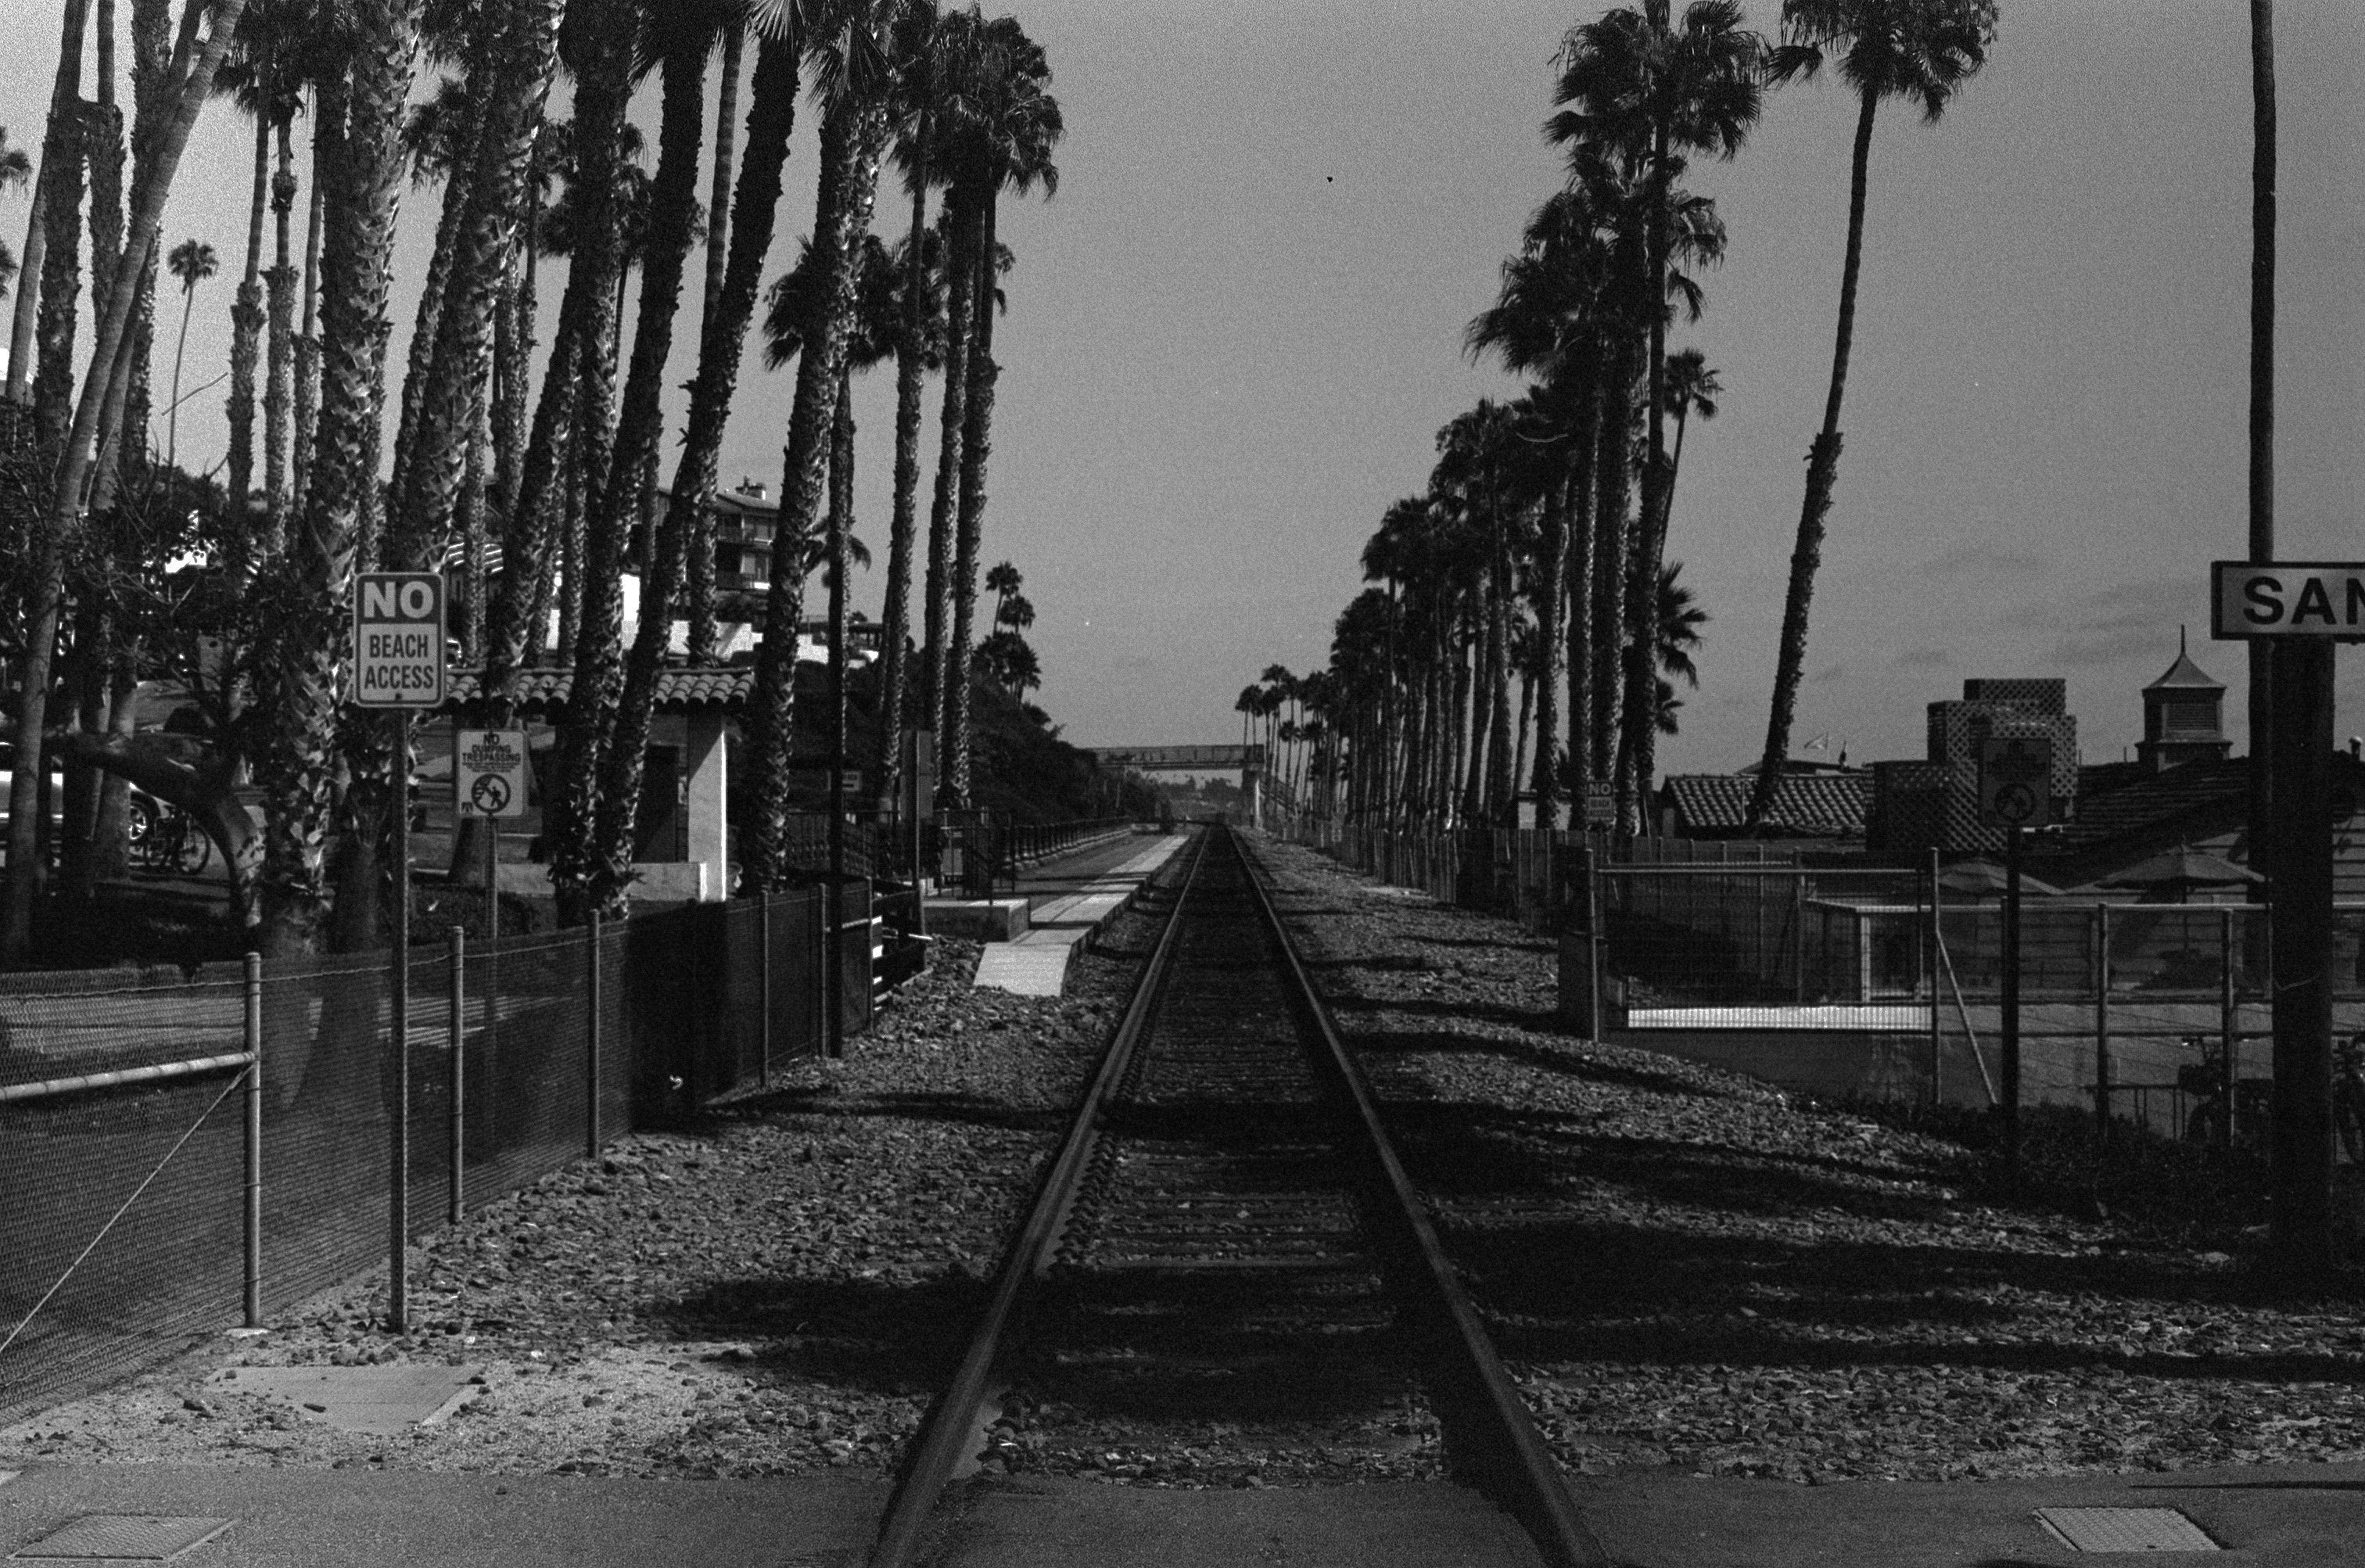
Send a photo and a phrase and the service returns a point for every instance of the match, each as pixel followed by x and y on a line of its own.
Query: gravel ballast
pixel 1687 1268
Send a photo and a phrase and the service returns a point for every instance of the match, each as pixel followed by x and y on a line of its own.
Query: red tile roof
pixel 540 690
pixel 1830 805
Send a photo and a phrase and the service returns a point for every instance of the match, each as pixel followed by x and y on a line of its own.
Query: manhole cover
pixel 2124 1530
pixel 143 1537
pixel 380 1399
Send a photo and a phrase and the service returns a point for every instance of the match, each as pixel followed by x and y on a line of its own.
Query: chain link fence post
pixel 763 989
pixel 254 1031
pixel 591 1046
pixel 456 974
pixel 2102 1020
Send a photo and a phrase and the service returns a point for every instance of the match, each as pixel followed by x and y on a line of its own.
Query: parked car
pixel 145 809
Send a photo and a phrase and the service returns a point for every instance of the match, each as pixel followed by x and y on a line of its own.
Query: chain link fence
pixel 1780 960
pixel 181 1151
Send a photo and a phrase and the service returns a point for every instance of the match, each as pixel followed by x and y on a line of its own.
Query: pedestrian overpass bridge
pixel 1249 759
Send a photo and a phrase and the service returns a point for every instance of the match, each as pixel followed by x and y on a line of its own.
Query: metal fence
pixel 2143 1009
pixel 181 1151
pixel 1522 873
pixel 1789 961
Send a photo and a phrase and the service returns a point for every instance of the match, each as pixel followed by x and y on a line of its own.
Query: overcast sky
pixel 1234 333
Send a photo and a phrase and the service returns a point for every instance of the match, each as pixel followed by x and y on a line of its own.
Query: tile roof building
pixel 1809 805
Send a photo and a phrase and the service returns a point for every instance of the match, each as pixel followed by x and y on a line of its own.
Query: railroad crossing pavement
pixel 1036 964
pixel 357 1518
pixel 2286 1515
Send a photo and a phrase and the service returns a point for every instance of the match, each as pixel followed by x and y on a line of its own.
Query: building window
pixel 2189 718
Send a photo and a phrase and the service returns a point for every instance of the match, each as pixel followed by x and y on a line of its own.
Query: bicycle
pixel 2228 1111
pixel 169 839
pixel 2349 1096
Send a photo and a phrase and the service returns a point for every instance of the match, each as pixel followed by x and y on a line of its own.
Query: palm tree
pixel 919 45
pixel 680 39
pixel 1552 320
pixel 851 71
pixel 1921 51
pixel 1648 93
pixel 192 261
pixel 1001 137
pixel 255 77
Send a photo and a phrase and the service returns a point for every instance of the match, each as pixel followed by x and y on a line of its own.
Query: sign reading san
pixel 2287 599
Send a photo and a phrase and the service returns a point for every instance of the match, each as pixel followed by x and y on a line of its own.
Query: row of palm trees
pixel 537 501
pixel 1538 552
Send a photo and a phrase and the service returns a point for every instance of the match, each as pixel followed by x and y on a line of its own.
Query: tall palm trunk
pixel 603 89
pixel 61 271
pixel 516 628
pixel 151 46
pixel 180 350
pixel 151 183
pixel 280 359
pixel 307 341
pixel 976 441
pixel 104 150
pixel 841 216
pixel 673 200
pixel 298 760
pixel 961 304
pixel 699 597
pixel 1612 471
pixel 1522 731
pixel 1553 569
pixel 444 397
pixel 895 671
pixel 61 163
pixel 1822 465
pixel 442 269
pixel 1501 776
pixel 2262 417
pixel 246 320
pixel 1579 584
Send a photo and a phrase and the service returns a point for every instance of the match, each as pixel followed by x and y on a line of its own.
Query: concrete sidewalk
pixel 2288 1515
pixel 1036 964
pixel 357 1518
pixel 1008 915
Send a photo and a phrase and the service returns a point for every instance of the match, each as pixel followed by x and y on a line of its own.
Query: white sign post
pixel 398 666
pixel 2016 794
pixel 488 782
pixel 488 772
pixel 2301 609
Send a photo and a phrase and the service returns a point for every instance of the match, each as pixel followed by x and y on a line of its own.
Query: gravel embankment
pixel 1688 1268
pixel 777 1290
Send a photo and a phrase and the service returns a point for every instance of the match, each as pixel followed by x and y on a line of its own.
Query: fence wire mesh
pixel 679 1002
pixel 1772 953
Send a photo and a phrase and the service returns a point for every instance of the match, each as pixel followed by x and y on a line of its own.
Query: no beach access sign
pixel 398 639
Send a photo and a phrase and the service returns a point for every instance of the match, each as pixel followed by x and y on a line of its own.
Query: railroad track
pixel 1226 1232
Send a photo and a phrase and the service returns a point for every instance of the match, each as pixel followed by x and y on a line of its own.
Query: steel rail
pixel 1502 1456
pixel 952 1419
